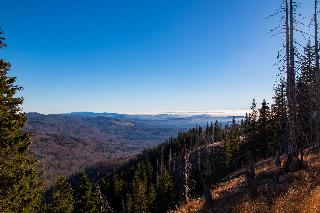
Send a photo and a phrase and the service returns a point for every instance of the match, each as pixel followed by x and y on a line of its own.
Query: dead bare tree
pixel 205 178
pixel 317 70
pixel 292 152
pixel 316 43
pixel 250 175
pixel 184 172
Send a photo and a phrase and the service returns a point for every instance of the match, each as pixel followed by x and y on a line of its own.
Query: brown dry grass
pixel 192 205
pixel 295 192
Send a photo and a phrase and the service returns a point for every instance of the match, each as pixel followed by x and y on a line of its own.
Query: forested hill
pixel 270 157
pixel 186 166
pixel 68 143
pixel 183 167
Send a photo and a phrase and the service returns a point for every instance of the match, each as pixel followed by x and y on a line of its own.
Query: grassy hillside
pixel 294 192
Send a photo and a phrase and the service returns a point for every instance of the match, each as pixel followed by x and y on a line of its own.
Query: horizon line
pixel 226 112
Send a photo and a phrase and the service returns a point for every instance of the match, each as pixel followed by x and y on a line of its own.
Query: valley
pixel 68 143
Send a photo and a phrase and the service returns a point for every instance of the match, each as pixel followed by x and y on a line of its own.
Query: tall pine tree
pixel 62 197
pixel 279 120
pixel 263 131
pixel 86 199
pixel 19 181
pixel 306 99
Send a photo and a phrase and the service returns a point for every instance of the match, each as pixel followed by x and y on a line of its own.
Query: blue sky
pixel 141 56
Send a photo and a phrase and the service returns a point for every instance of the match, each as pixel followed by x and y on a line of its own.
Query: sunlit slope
pixel 295 192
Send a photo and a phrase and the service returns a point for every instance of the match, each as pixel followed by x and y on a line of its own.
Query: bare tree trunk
pixel 105 206
pixel 205 177
pixel 186 176
pixel 316 44
pixel 287 45
pixel 184 168
pixel 317 86
pixel 292 161
pixel 277 161
pixel 250 175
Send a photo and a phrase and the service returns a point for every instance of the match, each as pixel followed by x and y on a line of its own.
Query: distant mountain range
pixel 68 143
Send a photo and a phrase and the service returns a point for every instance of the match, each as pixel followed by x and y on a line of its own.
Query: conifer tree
pixel 217 132
pixel 152 198
pixel 118 189
pixel 306 99
pixel 138 198
pixel 165 193
pixel 229 152
pixel 279 120
pixel 250 129
pixel 19 181
pixel 205 179
pixel 62 197
pixel 86 200
pixel 263 131
pixel 235 130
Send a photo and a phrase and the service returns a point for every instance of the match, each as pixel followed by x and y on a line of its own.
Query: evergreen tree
pixel 152 198
pixel 139 197
pixel 229 154
pixel 118 189
pixel 217 132
pixel 165 194
pixel 19 181
pixel 86 199
pixel 129 203
pixel 279 120
pixel 235 131
pixel 250 129
pixel 306 98
pixel 62 197
pixel 263 131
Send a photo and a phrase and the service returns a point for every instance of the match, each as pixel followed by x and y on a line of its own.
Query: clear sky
pixel 141 56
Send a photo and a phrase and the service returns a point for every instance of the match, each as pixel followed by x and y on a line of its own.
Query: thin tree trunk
pixel 250 175
pixel 317 87
pixel 205 176
pixel 277 161
pixel 316 44
pixel 186 176
pixel 292 161
pixel 287 44
pixel 184 172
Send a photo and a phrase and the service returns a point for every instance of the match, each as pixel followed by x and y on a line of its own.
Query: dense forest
pixel 188 165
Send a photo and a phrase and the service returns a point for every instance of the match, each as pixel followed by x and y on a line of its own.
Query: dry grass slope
pixel 295 192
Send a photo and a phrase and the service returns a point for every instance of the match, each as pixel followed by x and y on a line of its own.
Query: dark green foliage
pixel 279 119
pixel 62 197
pixel 152 182
pixel 257 130
pixel 19 181
pixel 250 128
pixel 306 97
pixel 165 192
pixel 80 195
pixel 85 197
pixel 139 193
pixel 217 131
pixel 264 138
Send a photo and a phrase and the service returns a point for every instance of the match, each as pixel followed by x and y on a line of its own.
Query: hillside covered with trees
pixel 273 149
